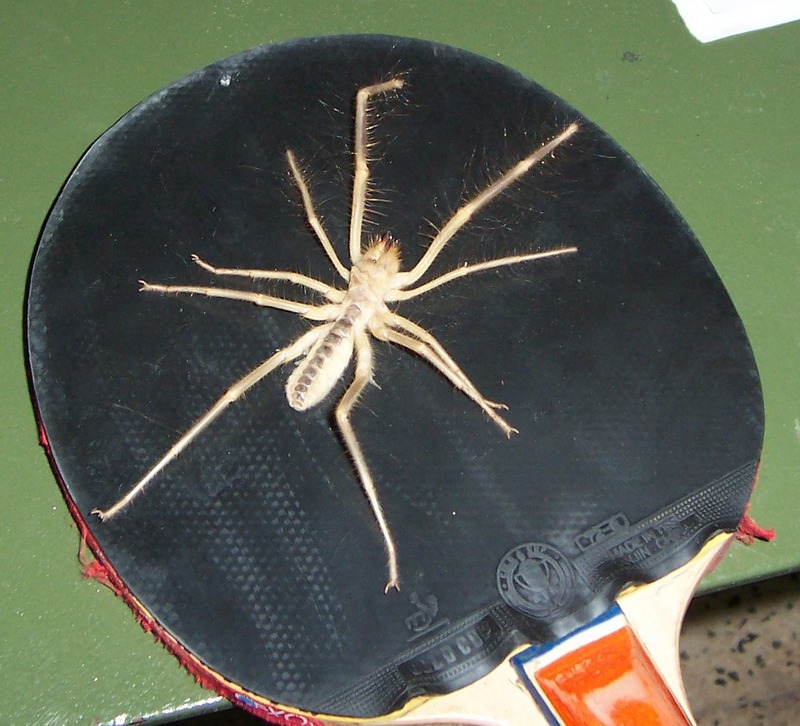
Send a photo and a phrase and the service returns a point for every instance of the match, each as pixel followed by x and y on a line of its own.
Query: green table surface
pixel 715 125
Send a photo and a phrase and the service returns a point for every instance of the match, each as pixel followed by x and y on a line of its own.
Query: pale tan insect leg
pixel 295 278
pixel 470 269
pixel 313 219
pixel 428 348
pixel 464 213
pixel 312 312
pixel 236 391
pixel 363 375
pixel 361 174
pixel 393 320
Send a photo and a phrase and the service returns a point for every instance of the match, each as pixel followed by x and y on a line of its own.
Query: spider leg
pixel 236 391
pixel 393 320
pixel 425 345
pixel 312 312
pixel 363 375
pixel 470 269
pixel 313 219
pixel 465 212
pixel 295 278
pixel 361 164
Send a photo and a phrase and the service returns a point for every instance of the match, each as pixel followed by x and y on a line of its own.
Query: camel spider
pixel 351 315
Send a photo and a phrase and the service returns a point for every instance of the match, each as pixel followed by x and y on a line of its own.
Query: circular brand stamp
pixel 535 579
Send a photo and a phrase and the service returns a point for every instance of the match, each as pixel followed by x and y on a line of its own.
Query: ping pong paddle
pixel 254 554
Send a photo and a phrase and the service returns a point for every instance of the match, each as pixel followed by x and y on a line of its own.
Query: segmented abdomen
pixel 323 365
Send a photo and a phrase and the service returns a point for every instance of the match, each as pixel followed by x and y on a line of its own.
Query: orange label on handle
pixel 609 682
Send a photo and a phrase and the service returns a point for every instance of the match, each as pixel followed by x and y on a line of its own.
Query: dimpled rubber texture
pixel 624 366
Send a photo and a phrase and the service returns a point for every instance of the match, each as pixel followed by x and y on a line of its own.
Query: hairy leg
pixel 295 278
pixel 312 312
pixel 427 347
pixel 470 269
pixel 236 391
pixel 361 174
pixel 363 375
pixel 313 219
pixel 393 320
pixel 464 213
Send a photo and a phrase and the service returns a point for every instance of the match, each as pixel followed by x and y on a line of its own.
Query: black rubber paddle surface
pixel 624 366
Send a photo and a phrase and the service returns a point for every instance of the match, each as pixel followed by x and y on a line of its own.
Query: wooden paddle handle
pixel 621 669
pixel 608 680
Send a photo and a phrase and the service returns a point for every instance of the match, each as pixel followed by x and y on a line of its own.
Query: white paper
pixel 711 20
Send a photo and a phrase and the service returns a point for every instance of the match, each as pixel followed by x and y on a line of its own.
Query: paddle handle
pixel 621 669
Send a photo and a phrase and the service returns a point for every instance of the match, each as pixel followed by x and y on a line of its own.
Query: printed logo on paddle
pixel 535 579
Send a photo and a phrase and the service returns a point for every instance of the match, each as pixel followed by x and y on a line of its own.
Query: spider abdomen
pixel 316 374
